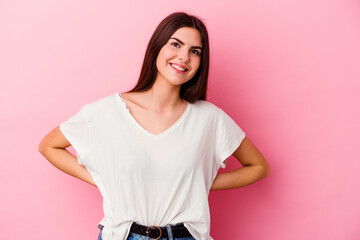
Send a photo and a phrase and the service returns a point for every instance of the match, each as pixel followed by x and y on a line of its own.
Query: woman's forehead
pixel 188 35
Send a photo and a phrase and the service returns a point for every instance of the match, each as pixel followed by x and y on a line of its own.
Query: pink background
pixel 286 71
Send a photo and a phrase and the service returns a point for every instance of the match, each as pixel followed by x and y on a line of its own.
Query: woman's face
pixel 179 59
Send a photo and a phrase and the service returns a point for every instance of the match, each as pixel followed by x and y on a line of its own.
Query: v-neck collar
pixel 122 102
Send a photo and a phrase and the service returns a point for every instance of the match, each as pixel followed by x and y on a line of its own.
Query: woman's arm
pixel 255 168
pixel 52 147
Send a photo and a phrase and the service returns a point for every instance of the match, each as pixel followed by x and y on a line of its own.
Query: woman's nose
pixel 183 55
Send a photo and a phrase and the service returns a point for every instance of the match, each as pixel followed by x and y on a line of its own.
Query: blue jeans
pixel 134 236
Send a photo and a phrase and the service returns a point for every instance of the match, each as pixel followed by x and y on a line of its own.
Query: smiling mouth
pixel 178 68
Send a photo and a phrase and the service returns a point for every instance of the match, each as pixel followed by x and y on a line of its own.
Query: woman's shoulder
pixel 207 107
pixel 101 104
pixel 206 104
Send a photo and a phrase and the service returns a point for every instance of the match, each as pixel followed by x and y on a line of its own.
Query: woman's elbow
pixel 265 170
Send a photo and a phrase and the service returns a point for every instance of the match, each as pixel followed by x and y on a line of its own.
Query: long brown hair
pixel 195 88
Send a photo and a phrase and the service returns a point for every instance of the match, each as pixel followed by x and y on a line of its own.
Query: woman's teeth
pixel 178 68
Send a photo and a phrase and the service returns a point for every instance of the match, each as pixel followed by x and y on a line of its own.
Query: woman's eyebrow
pixel 183 43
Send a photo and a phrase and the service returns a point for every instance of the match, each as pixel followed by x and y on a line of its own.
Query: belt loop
pixel 170 234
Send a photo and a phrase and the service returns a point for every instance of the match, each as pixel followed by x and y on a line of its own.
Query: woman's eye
pixel 175 44
pixel 196 52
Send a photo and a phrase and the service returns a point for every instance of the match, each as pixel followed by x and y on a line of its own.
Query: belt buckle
pixel 148 231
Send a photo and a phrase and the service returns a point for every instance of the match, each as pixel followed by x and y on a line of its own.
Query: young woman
pixel 154 151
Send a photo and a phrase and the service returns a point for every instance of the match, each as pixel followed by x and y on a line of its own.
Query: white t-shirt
pixel 152 179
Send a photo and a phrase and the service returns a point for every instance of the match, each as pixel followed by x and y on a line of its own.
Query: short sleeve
pixel 228 137
pixel 76 131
